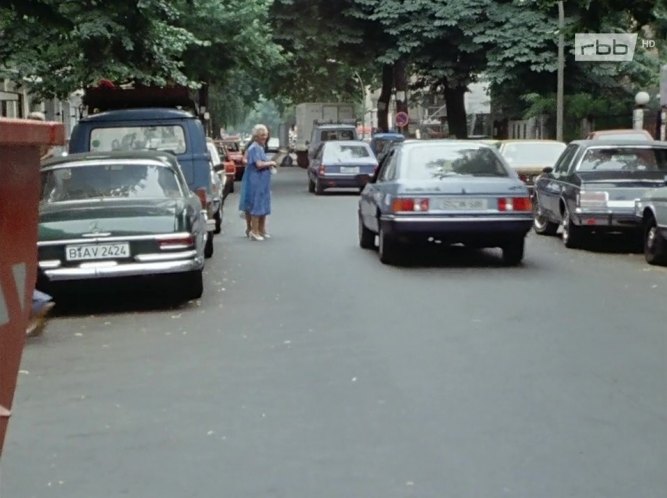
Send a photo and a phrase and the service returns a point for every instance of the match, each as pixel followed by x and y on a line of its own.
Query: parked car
pixel 341 163
pixel 380 142
pixel 620 134
pixel 273 144
pixel 454 191
pixel 529 157
pixel 234 152
pixel 651 210
pixel 227 167
pixel 219 183
pixel 119 214
pixel 593 188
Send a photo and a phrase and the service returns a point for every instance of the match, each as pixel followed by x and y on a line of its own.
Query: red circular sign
pixel 401 119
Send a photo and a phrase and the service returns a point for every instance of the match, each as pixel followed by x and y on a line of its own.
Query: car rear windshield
pixel 326 135
pixel 109 181
pixel 339 152
pixel 232 146
pixel 532 154
pixel 625 159
pixel 164 137
pixel 442 161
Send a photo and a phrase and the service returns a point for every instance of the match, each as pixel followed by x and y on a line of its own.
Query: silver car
pixel 448 190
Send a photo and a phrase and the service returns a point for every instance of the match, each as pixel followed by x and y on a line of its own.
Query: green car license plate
pixel 84 252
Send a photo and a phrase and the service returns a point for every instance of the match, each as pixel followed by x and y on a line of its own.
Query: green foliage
pixel 154 42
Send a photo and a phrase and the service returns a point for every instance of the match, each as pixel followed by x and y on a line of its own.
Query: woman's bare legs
pixel 248 226
pixel 262 225
pixel 254 230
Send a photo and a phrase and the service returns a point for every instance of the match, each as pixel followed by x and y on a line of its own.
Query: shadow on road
pixel 433 255
pixel 615 243
pixel 116 297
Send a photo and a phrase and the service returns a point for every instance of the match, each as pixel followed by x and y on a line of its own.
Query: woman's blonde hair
pixel 257 129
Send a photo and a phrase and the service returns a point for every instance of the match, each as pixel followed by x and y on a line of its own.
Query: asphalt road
pixel 309 369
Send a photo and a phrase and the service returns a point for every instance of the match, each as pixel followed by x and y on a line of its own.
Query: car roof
pixel 620 130
pixel 619 143
pixel 162 156
pixel 412 143
pixel 388 135
pixel 344 142
pixel 335 125
pixel 530 141
pixel 139 114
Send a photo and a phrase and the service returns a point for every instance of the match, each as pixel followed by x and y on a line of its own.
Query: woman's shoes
pixel 255 236
pixel 266 235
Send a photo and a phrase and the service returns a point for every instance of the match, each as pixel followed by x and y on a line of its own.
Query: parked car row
pixel 597 187
pixel 140 195
pixel 490 194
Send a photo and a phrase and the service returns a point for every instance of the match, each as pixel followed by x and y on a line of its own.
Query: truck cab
pixel 325 132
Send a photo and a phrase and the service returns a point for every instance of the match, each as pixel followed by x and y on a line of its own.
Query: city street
pixel 311 370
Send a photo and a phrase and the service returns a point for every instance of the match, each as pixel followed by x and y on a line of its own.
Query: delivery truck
pixel 310 113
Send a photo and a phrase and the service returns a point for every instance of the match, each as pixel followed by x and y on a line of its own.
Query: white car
pixel 273 144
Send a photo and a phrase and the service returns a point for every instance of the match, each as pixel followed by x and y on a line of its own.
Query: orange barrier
pixel 21 144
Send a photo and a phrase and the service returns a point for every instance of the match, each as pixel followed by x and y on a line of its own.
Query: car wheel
pixel 366 237
pixel 388 248
pixel 513 252
pixel 190 285
pixel 319 189
pixel 311 185
pixel 541 224
pixel 218 222
pixel 655 245
pixel 208 248
pixel 573 235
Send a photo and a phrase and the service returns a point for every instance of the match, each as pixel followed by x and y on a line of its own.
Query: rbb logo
pixel 604 47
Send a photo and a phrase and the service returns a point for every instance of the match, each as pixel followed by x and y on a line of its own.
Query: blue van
pixel 161 129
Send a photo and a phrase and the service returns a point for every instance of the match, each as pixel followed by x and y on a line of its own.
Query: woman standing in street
pixel 255 198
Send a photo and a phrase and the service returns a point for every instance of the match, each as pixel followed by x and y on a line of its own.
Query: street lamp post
pixel 561 69
pixel 641 99
pixel 363 104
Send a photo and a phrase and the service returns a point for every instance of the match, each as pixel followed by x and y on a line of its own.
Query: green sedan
pixel 117 215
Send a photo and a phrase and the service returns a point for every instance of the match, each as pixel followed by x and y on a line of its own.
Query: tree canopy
pixel 299 50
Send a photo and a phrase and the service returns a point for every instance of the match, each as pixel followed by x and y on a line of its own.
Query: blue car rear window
pixel 162 137
pixel 442 161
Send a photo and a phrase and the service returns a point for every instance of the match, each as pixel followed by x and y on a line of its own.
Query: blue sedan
pixel 341 164
pixel 446 190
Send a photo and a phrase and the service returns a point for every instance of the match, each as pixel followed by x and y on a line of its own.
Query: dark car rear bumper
pixel 611 221
pixel 101 270
pixel 469 229
pixel 344 181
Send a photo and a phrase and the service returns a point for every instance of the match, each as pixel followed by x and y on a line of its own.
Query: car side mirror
pixel 547 170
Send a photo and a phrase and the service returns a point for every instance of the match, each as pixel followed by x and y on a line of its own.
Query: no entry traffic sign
pixel 402 119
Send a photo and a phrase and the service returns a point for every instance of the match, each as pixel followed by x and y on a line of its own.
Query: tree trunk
pixel 456 111
pixel 385 97
pixel 401 85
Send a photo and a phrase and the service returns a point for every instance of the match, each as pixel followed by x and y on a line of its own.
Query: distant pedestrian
pixel 255 196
